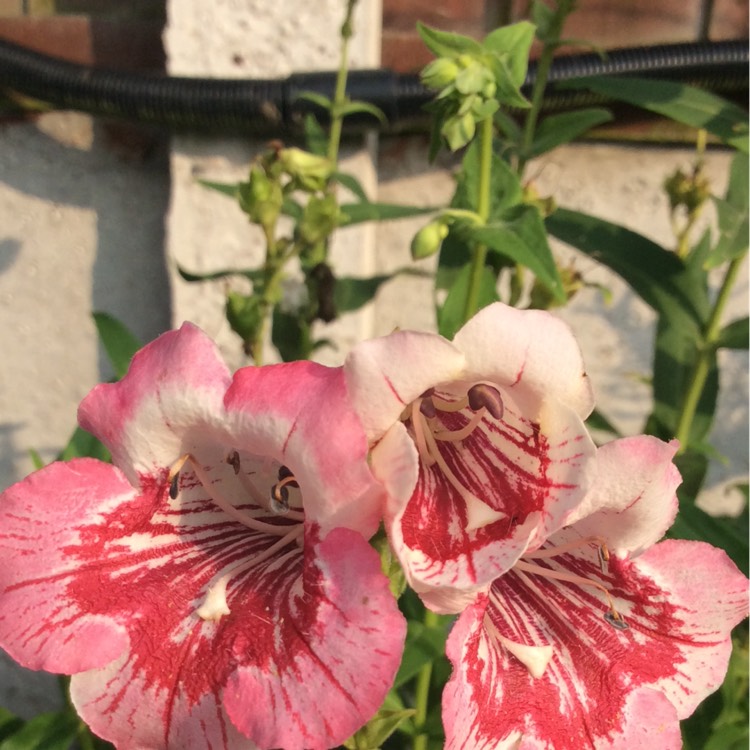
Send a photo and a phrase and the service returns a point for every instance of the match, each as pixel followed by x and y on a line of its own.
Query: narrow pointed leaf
pixel 356 213
pixel 351 293
pixel 316 140
pixel 446 44
pixel 352 108
pixel 515 42
pixel 686 104
pixel 117 340
pixel 520 235
pixel 733 215
pixel 451 314
pixel 734 335
pixel 231 190
pixel 556 130
pixel 250 273
pixel 53 731
pixel 352 184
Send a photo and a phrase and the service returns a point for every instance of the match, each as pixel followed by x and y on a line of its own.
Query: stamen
pixel 483 395
pixel 174 476
pixel 558 575
pixel 614 618
pixel 548 552
pixel 229 509
pixel 420 441
pixel 448 406
pixel 455 436
pixel 427 408
pixel 280 492
pixel 233 459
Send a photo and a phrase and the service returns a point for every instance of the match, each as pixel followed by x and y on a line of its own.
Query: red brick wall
pixel 606 23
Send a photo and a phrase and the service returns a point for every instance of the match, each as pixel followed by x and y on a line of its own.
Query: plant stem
pixel 551 43
pixel 339 96
pixel 422 693
pixel 703 362
pixel 483 209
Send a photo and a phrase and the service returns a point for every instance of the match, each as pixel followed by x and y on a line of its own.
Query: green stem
pixel 551 43
pixel 422 692
pixel 483 209
pixel 339 96
pixel 703 362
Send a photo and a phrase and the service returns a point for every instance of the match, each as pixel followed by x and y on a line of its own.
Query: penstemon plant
pixel 424 547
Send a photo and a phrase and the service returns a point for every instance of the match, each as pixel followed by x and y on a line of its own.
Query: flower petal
pixel 299 414
pixel 529 352
pixel 333 659
pixel 632 501
pixel 174 384
pixel 383 375
pixel 530 475
pixel 41 625
pixel 614 687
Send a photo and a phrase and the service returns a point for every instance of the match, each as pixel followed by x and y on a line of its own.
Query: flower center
pixel 428 432
pixel 288 529
pixel 523 567
pixel 536 657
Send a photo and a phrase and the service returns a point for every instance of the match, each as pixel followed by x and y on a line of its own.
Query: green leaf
pixel 319 99
pixel 555 130
pixel 356 213
pixel 84 444
pixel 378 729
pixel 52 731
pixel 423 645
pixel 597 421
pixel 352 108
pixel 505 187
pixel 446 44
pixel 659 277
pixel 254 275
pixel 232 191
pixel 289 335
pixel 352 184
pixel 36 459
pixel 734 335
pixel 520 235
pixel 316 140
pixel 117 340
pixel 351 293
pixel 514 42
pixel 9 723
pixel 733 215
pixel 451 314
pixel 686 104
pixel 720 531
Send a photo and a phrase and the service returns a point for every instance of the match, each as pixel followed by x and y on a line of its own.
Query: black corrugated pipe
pixel 267 107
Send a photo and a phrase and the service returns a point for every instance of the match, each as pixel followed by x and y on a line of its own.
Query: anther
pixel 233 459
pixel 487 396
pixel 603 557
pixel 427 408
pixel 614 618
pixel 285 473
pixel 280 491
pixel 174 476
pixel 279 498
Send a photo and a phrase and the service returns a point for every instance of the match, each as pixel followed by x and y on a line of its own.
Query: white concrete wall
pixel 82 229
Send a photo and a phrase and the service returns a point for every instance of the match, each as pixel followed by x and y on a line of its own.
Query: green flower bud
pixel 440 73
pixel 311 172
pixel 261 197
pixel 428 239
pixel 459 130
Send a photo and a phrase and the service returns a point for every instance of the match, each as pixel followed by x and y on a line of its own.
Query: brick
pixel 729 20
pixel 124 45
pixel 450 15
pixel 10 8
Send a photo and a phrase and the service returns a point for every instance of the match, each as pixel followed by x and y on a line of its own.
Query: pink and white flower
pixel 597 639
pixel 491 428
pixel 214 587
